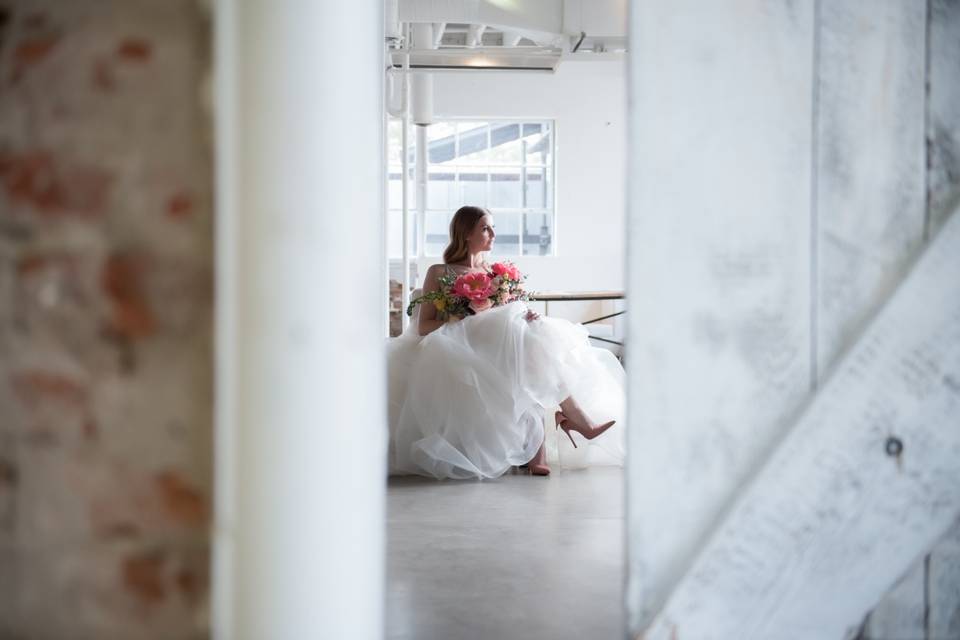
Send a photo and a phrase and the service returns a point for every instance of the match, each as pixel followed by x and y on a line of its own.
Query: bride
pixel 468 395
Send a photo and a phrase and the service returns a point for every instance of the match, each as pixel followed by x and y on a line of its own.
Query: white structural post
pixel 404 190
pixel 301 436
pixel 422 36
pixel 421 182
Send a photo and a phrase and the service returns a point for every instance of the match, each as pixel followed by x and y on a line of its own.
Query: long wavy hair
pixel 462 225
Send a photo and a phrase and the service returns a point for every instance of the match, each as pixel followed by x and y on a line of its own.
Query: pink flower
pixel 505 269
pixel 481 305
pixel 473 286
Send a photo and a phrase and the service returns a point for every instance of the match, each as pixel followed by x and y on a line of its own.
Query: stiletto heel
pixel 563 421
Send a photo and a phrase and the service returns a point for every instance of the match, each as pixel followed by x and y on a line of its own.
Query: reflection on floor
pixel 517 557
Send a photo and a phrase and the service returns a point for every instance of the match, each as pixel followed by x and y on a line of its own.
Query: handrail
pixel 581 296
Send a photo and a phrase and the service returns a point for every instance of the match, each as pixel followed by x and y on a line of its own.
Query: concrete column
pixel 301 435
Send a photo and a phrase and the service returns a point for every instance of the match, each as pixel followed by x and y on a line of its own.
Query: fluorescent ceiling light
pixel 522 59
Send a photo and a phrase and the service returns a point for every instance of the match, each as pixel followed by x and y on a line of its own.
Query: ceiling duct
pixel 522 35
pixel 421 84
pixel 391 21
pixel 475 35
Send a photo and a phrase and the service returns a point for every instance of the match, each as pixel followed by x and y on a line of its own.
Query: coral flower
pixel 473 286
pixel 481 305
pixel 505 269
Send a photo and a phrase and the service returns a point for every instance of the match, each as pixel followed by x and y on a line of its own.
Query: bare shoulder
pixel 436 268
pixel 435 271
pixel 432 274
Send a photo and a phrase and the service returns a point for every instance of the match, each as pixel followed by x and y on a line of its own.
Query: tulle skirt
pixel 473 398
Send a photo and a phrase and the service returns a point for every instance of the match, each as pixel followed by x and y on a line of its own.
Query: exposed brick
pixel 189 584
pixel 37 180
pixel 34 264
pixel 8 474
pixel 181 502
pixel 135 49
pixel 103 77
pixel 180 205
pixel 31 51
pixel 35 387
pixel 104 161
pixel 142 576
pixel 121 280
pixel 90 429
pixel 120 530
pixel 36 20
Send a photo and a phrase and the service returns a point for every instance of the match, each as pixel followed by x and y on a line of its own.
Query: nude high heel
pixel 537 466
pixel 563 422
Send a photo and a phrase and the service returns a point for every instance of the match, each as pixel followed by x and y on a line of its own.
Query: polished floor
pixel 517 557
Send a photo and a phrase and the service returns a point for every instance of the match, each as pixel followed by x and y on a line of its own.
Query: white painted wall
pixel 587 101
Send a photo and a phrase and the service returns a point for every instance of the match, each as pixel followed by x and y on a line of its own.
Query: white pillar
pixel 421 83
pixel 421 184
pixel 301 425
pixel 405 195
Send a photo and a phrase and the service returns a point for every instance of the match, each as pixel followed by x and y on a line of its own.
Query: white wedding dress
pixel 472 398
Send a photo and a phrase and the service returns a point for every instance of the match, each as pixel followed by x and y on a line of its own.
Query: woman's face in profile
pixel 483 235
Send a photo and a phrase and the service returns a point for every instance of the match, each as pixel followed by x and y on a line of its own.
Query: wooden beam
pixel 943 111
pixel 869 164
pixel 864 484
pixel 925 603
pixel 943 587
pixel 907 610
pixel 901 613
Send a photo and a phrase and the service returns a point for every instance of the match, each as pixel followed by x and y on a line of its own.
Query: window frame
pixel 419 251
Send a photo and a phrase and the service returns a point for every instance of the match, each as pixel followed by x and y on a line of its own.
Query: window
pixel 503 165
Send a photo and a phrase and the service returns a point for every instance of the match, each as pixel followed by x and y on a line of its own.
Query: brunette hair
pixel 464 220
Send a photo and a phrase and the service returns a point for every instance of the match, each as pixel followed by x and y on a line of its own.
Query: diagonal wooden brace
pixel 863 484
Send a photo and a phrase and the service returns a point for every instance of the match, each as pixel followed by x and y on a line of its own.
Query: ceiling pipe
pixel 475 35
pixel 391 21
pixel 438 29
pixel 511 38
pixel 421 84
pixel 393 102
pixel 545 16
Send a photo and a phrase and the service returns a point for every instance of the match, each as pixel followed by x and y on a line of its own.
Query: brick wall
pixel 105 319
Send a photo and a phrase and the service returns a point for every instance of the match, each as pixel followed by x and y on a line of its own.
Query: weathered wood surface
pixel 870 177
pixel 718 329
pixel 832 519
pixel 895 617
pixel 943 110
pixel 901 613
pixel 925 603
pixel 943 587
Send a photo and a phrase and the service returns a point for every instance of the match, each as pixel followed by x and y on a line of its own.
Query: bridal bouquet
pixel 471 293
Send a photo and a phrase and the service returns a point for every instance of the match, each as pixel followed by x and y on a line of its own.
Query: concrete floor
pixel 517 557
